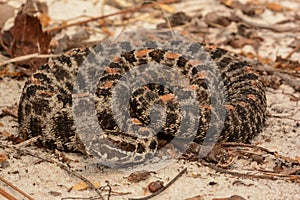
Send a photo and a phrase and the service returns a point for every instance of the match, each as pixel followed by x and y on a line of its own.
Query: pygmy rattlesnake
pixel 46 103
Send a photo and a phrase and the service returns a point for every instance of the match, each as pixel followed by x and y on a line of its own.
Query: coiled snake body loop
pixel 155 114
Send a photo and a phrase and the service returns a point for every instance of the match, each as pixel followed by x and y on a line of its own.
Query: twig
pixel 7 195
pixel 26 57
pixel 109 15
pixel 109 189
pixel 62 166
pixel 270 175
pixel 274 153
pixel 80 198
pixel 278 29
pixel 221 170
pixel 297 48
pixel 16 188
pixel 27 142
pixel 162 189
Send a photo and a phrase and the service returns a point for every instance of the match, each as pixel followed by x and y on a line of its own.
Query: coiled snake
pixel 156 111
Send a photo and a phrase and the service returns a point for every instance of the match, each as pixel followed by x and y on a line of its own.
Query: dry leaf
pixel 45 19
pixel 176 19
pixel 284 63
pixel 228 3
pixel 251 10
pixel 167 8
pixel 276 7
pixel 138 176
pixel 3 157
pixel 238 41
pixel 83 185
pixel 26 37
pixel 298 159
pixel 55 194
pixel 214 19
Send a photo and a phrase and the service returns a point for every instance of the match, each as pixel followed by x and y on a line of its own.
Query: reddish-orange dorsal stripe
pixel 108 84
pixel 111 70
pixel 202 75
pixel 251 96
pixel 191 87
pixel 142 52
pixel 136 121
pixel 167 97
pixel 195 62
pixel 230 107
pixel 171 55
pixel 116 59
pixel 243 104
pixel 35 81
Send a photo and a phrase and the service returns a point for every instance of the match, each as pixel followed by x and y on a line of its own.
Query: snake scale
pixel 45 107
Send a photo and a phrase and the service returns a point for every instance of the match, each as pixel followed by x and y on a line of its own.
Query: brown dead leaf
pixel 3 157
pixel 295 178
pixel 26 37
pixel 45 19
pixel 214 19
pixel 83 186
pixel 176 19
pixel 248 32
pixel 284 63
pixel 298 159
pixel 250 8
pixel 5 134
pixel 266 61
pixel 138 176
pixel 248 55
pixel 167 8
pixel 55 194
pixel 271 81
pixel 276 7
pixel 6 72
pixel 238 42
pixel 220 155
pixel 10 137
pixel 11 111
pixel 227 2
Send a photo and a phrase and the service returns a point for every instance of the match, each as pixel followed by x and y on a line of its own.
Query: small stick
pixel 162 189
pixel 62 166
pixel 218 169
pixel 15 188
pixel 27 142
pixel 7 195
pixel 109 15
pixel 59 165
pixel 26 57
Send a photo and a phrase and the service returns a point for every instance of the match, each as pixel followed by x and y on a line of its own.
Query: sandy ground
pixel 43 180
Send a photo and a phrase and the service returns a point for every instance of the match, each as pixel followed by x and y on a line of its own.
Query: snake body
pixel 45 107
